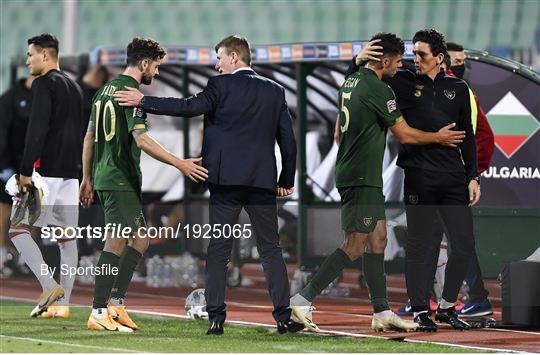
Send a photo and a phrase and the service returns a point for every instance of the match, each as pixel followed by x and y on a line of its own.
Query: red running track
pixel 351 315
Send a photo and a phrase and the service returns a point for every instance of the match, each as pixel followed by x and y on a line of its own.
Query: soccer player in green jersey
pixel 111 165
pixel 367 109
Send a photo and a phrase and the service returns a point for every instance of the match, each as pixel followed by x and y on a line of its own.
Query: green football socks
pixel 105 280
pixel 373 266
pixel 128 262
pixel 331 268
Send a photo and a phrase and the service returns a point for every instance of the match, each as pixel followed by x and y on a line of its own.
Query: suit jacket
pixel 244 115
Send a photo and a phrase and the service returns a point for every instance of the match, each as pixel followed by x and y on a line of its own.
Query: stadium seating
pixel 478 24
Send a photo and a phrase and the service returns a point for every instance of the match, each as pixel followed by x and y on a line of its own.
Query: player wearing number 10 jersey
pixel 111 159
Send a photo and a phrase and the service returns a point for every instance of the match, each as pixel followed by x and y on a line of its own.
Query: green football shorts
pixel 361 208
pixel 122 208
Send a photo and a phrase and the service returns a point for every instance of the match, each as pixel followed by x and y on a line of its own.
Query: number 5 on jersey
pixel 345 110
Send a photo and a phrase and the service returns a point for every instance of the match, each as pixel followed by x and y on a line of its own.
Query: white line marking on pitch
pixel 69 344
pixel 240 304
pixel 263 307
pixel 513 331
pixel 465 346
pixel 335 332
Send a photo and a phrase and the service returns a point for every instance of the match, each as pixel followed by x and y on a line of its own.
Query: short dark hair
pixel 143 48
pixel 240 45
pixel 434 38
pixel 454 47
pixel 45 40
pixel 392 44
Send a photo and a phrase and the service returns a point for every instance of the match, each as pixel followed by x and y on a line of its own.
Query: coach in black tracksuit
pixel 437 179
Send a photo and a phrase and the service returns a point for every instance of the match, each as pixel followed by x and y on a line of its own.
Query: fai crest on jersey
pixel 368 221
pixel 391 105
pixel 413 199
pixel 450 94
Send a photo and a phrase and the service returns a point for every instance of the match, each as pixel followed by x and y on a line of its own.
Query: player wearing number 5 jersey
pixel 367 108
pixel 111 159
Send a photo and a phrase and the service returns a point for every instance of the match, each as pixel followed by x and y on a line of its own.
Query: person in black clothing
pixel 14 114
pixel 437 179
pixel 53 148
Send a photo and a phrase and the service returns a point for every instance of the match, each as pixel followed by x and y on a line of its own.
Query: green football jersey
pixel 367 107
pixel 116 155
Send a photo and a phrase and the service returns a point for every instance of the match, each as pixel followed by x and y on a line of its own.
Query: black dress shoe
pixel 425 324
pixel 289 326
pixel 450 316
pixel 216 328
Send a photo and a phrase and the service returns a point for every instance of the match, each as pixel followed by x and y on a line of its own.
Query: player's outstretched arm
pixel 189 167
pixel 204 102
pixel 445 136
pixel 86 191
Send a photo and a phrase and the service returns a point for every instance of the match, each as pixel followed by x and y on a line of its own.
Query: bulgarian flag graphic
pixel 512 124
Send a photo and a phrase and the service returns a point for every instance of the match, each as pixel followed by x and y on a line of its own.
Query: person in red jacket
pixel 478 303
pixel 485 139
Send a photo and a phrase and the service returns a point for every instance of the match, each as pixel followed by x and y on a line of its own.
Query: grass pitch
pixel 20 333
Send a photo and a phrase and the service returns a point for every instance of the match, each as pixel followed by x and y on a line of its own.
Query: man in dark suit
pixel 244 115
